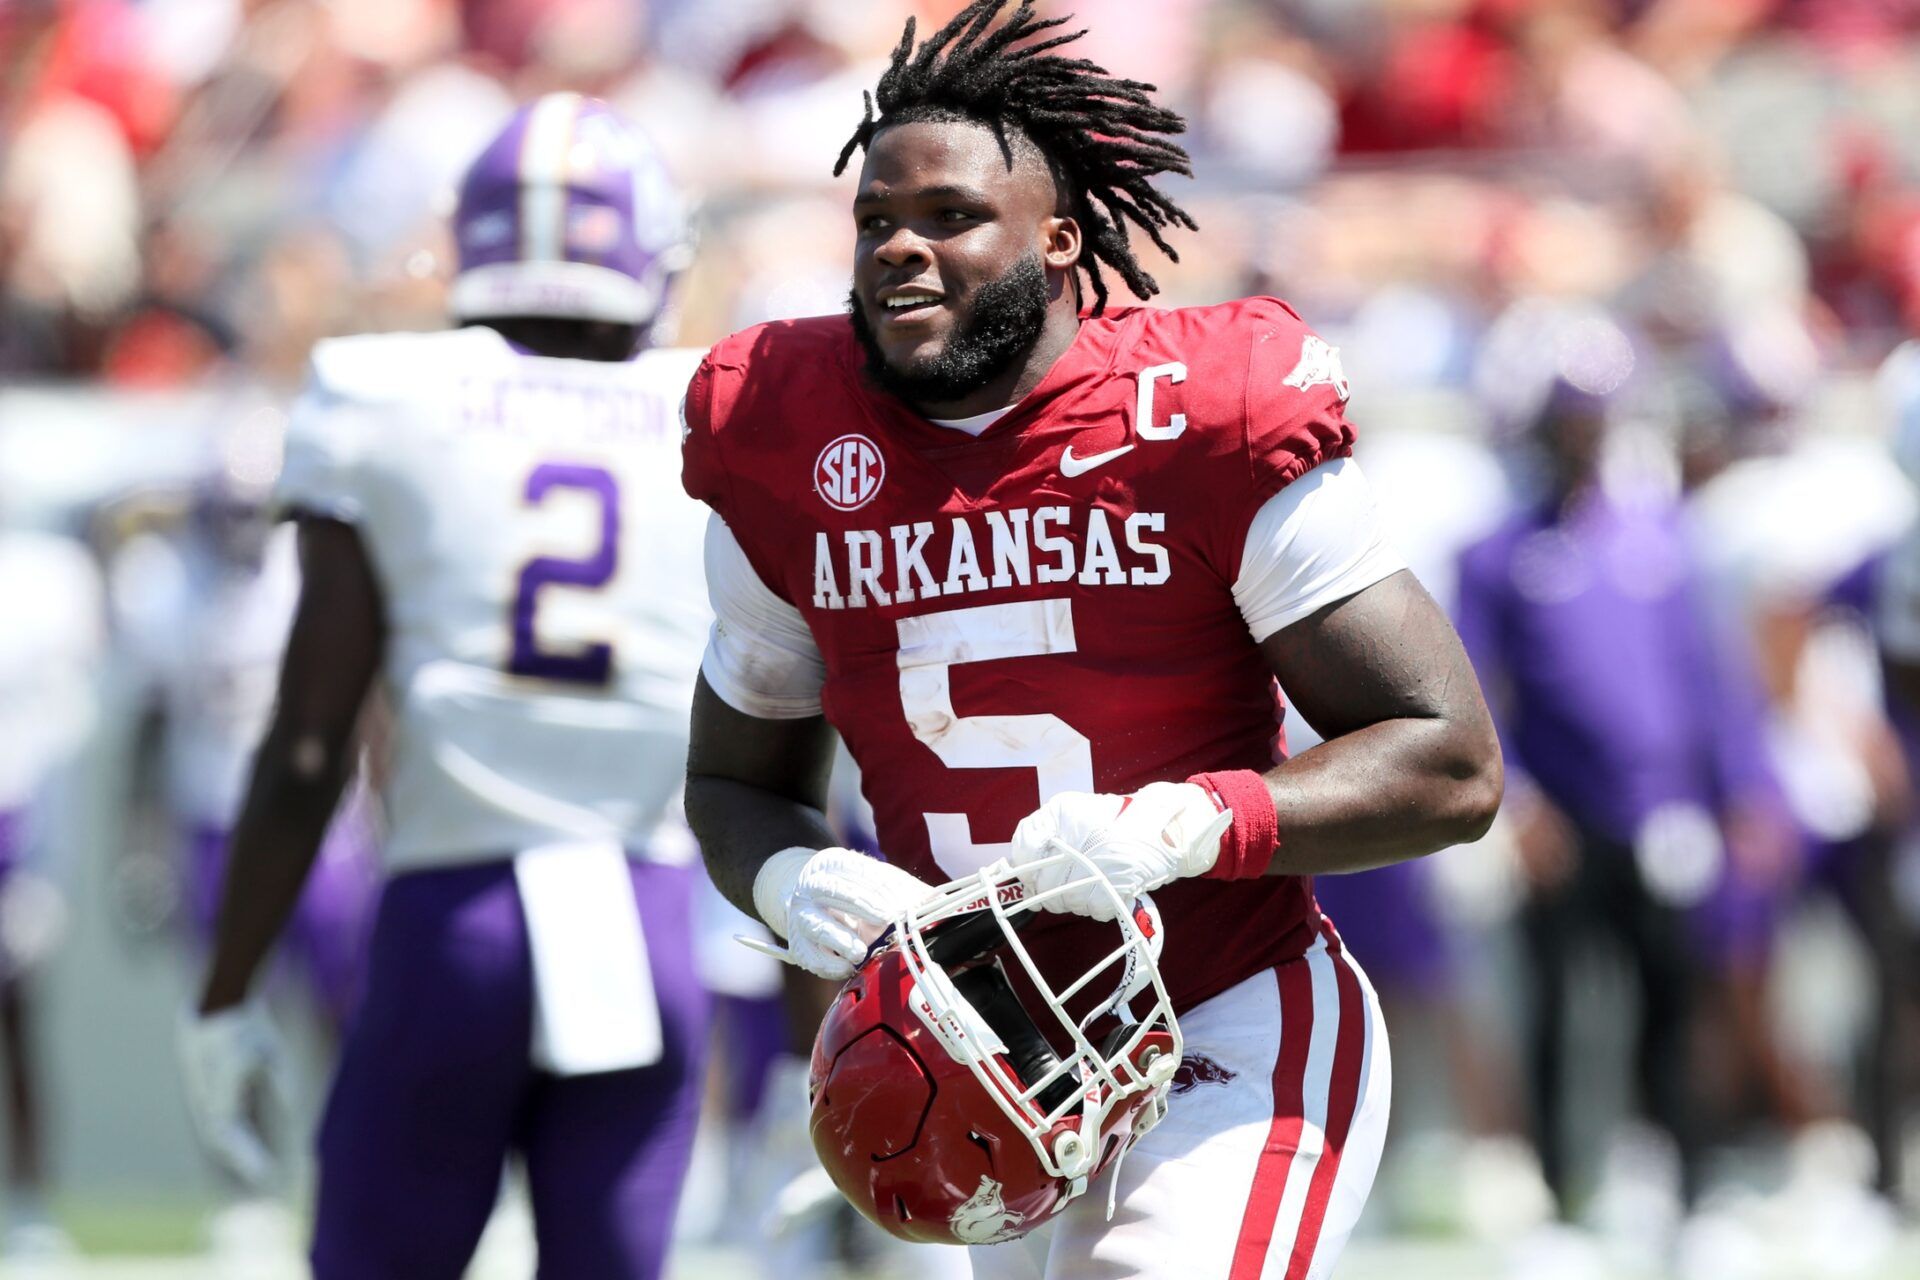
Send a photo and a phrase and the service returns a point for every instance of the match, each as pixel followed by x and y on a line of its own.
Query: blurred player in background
pixel 1635 748
pixel 1799 594
pixel 1896 628
pixel 202 612
pixel 48 649
pixel 489 528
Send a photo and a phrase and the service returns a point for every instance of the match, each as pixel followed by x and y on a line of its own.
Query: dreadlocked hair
pixel 1103 137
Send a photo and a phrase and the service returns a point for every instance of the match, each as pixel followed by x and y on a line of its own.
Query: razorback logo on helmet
pixel 1197 1069
pixel 848 473
pixel 1318 363
pixel 983 1218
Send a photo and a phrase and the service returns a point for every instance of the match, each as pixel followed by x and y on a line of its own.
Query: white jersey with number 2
pixel 541 574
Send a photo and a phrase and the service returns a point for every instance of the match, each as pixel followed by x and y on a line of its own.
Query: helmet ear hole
pixel 1114 1039
pixel 986 988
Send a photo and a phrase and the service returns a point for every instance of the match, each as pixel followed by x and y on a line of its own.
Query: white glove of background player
pixel 1165 831
pixel 830 904
pixel 230 1060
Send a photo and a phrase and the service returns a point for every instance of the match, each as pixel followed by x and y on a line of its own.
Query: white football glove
pixel 1165 831
pixel 230 1060
pixel 830 905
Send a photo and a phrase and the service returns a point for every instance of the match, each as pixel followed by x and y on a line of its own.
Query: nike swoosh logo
pixel 1071 466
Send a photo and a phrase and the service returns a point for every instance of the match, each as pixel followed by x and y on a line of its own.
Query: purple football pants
pixel 12 826
pixel 753 1036
pixel 327 936
pixel 435 1089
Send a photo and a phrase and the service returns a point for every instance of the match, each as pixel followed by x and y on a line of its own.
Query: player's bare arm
pixel 754 787
pixel 305 759
pixel 1410 761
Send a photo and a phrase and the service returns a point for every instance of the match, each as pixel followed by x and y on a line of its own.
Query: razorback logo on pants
pixel 1197 1069
pixel 1262 1174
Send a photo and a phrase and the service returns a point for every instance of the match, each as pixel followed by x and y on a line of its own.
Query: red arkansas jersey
pixel 1048 606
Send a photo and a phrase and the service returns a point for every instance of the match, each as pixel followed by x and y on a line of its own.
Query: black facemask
pixel 1000 325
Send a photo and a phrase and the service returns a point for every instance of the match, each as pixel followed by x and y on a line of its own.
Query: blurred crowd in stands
pixel 188 187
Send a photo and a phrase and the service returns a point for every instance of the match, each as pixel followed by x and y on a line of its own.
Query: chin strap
pixel 1152 1114
pixel 1113 1179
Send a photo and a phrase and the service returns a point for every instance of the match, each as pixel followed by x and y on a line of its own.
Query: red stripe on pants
pixel 1343 1100
pixel 1295 979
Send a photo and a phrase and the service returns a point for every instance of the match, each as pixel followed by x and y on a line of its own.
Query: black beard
pixel 999 327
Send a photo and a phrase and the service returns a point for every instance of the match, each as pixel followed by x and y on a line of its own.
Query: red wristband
pixel 1248 846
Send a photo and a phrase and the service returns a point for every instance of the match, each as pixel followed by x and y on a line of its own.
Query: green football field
pixel 165 1242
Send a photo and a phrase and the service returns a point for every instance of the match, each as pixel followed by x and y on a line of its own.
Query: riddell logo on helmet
pixel 848 473
pixel 983 1218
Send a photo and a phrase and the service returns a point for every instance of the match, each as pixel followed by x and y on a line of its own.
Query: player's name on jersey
pixel 589 412
pixel 1021 546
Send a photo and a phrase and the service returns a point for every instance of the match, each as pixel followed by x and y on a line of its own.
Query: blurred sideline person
pixel 489 525
pixel 201 612
pixel 1635 755
pixel 47 660
pixel 1896 624
pixel 1802 592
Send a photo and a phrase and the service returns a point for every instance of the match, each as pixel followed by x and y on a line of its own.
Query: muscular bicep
pixel 338 636
pixel 791 758
pixel 1384 653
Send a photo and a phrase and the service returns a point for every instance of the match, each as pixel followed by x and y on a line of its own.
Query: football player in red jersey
pixel 1043 564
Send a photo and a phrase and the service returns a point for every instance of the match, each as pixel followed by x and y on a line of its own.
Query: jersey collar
pixel 1083 364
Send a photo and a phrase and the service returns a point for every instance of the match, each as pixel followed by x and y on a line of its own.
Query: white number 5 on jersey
pixel 930 647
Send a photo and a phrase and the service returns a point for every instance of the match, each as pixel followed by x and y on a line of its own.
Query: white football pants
pixel 1266 1155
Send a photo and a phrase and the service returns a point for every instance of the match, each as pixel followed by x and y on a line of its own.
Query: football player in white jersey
pixel 200 614
pixel 491 530
pixel 47 656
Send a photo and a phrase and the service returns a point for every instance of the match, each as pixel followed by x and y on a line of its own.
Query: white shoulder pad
pixel 372 368
pixel 669 369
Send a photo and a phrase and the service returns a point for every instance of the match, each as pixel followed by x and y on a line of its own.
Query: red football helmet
pixel 941 1107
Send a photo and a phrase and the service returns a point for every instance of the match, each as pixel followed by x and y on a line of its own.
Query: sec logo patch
pixel 849 472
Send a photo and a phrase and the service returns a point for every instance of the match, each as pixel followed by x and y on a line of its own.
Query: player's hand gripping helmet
pixel 954 1105
pixel 568 214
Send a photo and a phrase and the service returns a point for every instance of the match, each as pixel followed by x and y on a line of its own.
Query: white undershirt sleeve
pixel 1316 541
pixel 761 657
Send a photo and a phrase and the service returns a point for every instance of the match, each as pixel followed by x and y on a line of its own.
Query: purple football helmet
pixel 568 213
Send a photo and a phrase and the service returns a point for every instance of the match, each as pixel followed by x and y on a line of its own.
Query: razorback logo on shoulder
pixel 1318 364
pixel 859 568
